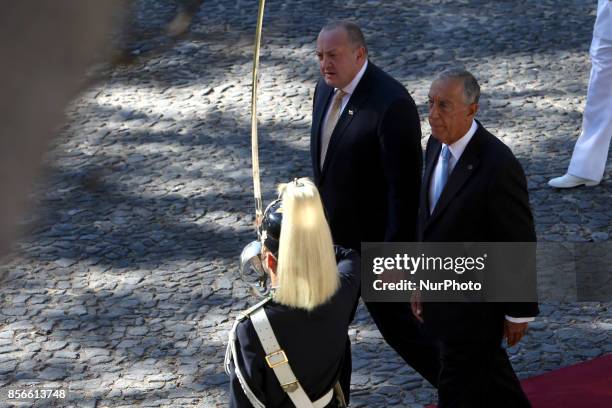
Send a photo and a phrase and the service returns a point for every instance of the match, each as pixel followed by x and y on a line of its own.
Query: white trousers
pixel 591 150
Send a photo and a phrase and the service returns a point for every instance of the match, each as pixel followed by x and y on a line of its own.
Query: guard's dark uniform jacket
pixel 314 342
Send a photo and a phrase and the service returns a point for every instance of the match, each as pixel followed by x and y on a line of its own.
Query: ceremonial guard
pixel 288 349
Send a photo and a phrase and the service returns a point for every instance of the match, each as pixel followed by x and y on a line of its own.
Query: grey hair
pixel 471 89
pixel 355 35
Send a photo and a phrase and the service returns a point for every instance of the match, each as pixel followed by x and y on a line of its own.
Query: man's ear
pixel 473 109
pixel 361 53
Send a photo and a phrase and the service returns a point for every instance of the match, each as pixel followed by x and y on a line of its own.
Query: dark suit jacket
pixel 314 342
pixel 485 200
pixel 371 177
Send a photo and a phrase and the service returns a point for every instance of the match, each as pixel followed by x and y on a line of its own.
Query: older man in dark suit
pixel 367 160
pixel 474 190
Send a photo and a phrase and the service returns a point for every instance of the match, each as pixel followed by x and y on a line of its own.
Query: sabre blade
pixel 254 139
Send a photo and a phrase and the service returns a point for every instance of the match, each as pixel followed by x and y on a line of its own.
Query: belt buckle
pixel 290 387
pixel 277 354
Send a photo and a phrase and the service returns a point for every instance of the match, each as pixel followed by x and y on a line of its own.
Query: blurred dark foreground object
pixel 136 35
pixel 46 47
pixel 185 11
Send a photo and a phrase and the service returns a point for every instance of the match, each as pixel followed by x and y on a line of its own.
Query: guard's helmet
pixel 271 226
pixel 251 269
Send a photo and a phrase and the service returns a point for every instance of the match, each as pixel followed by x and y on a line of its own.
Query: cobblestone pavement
pixel 125 287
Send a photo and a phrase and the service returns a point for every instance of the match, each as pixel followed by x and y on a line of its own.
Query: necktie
pixel 441 181
pixel 330 124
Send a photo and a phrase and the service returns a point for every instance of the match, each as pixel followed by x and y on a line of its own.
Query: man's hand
pixel 514 332
pixel 415 304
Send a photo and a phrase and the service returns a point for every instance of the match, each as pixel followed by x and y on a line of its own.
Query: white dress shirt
pixel 456 149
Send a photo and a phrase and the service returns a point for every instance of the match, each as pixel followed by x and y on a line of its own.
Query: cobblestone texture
pixel 124 288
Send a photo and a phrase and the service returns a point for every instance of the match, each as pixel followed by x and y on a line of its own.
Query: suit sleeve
pixel 249 355
pixel 509 204
pixel 349 268
pixel 511 220
pixel 402 160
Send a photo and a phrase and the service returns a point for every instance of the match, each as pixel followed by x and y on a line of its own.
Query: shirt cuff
pixel 519 319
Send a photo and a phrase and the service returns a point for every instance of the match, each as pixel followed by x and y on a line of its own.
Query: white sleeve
pixel 519 319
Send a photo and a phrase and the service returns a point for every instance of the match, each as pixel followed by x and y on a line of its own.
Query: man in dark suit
pixel 367 159
pixel 474 190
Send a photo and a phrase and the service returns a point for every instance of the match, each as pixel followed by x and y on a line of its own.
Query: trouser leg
pixel 591 150
pixel 475 369
pixel 407 337
pixel 478 375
